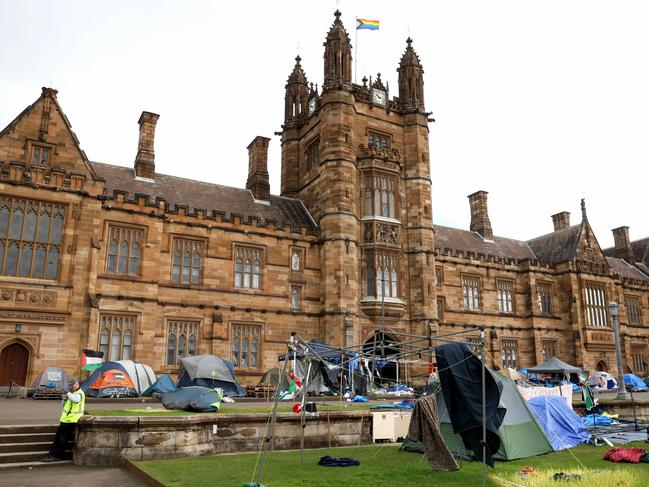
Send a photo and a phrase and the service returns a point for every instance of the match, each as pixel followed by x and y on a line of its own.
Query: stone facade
pixel 148 266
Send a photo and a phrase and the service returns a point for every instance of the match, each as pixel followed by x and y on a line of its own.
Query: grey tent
pixel 51 380
pixel 521 436
pixel 209 371
pixel 553 366
pixel 272 377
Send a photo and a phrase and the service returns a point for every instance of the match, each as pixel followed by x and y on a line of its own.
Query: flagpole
pixel 356 56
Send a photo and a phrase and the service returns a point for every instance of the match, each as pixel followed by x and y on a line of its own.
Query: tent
pixel 193 398
pixel 272 377
pixel 520 434
pixel 164 384
pixel 562 426
pixel 635 382
pixel 553 366
pixel 123 378
pixel 52 379
pixel 209 371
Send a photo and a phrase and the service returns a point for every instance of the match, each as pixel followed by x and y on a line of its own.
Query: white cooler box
pixel 390 425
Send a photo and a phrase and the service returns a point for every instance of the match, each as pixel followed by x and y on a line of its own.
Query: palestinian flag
pixel 294 384
pixel 91 360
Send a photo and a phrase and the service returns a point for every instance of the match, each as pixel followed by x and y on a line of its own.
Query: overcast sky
pixel 538 103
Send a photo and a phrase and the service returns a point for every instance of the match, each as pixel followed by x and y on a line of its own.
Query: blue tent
pixel 193 398
pixel 562 426
pixel 164 384
pixel 634 381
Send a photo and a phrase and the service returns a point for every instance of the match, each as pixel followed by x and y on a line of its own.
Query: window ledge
pixel 374 307
pixel 380 219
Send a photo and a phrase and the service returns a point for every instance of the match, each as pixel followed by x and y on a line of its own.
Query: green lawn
pixel 386 466
pixel 225 409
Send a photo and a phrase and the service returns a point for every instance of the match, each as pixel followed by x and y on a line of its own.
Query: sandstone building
pixel 151 267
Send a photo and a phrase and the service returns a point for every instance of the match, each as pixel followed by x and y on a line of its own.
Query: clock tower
pixel 359 162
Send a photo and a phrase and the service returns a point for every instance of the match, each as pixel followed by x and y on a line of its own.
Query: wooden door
pixel 13 364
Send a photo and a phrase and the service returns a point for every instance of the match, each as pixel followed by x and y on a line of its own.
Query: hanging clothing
pixel 424 427
pixel 460 374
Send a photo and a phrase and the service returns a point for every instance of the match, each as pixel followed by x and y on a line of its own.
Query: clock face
pixel 312 106
pixel 378 97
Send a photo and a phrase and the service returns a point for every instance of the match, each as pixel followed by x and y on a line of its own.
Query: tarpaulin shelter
pixel 553 366
pixel 164 384
pixel 275 377
pixel 325 365
pixel 193 398
pixel 521 436
pixel 634 381
pixel 562 426
pixel 209 371
pixel 123 378
pixel 53 379
pixel 462 387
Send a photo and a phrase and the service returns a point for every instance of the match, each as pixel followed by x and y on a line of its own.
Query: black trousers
pixel 63 440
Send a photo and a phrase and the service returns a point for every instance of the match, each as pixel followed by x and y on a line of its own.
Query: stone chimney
pixel 623 248
pixel 480 215
pixel 258 182
pixel 561 220
pixel 145 159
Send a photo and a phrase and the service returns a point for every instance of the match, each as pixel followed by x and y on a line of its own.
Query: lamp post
pixel 614 309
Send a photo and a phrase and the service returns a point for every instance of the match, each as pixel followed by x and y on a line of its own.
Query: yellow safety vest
pixel 72 411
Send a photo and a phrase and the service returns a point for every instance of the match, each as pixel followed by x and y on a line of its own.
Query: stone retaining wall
pixel 108 440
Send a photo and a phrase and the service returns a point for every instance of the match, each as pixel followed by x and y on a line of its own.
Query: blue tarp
pixel 193 398
pixel 405 404
pixel 596 420
pixel 562 426
pixel 636 382
pixel 164 384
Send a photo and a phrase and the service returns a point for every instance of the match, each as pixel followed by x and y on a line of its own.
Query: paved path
pixel 67 476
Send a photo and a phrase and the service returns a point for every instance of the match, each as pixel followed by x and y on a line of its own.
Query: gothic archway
pixel 14 362
pixel 384 345
pixel 601 366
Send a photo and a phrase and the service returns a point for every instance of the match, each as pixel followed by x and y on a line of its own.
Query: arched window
pixel 238 272
pixel 295 297
pixel 17 223
pixel 103 341
pixel 255 275
pixel 52 263
pixel 11 264
pixel 39 262
pixel 245 346
pixel 116 337
pixel 122 262
pixel 123 255
pixel 25 261
pixel 247 268
pixel 246 273
pixel 171 349
pixel 126 345
pixel 182 340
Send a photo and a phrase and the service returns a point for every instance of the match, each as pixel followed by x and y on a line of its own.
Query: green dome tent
pixel 520 434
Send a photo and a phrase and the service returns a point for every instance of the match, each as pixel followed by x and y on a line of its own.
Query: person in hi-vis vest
pixel 73 405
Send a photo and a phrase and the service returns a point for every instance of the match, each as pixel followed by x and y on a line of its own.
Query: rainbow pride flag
pixel 367 24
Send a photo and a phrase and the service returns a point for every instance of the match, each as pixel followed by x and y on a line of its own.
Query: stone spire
pixel 337 56
pixel 297 95
pixel 411 80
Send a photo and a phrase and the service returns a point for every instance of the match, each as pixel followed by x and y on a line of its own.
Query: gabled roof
pixel 624 269
pixel 177 191
pixel 557 246
pixel 51 94
pixel 466 241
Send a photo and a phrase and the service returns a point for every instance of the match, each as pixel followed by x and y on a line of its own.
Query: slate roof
pixel 466 241
pixel 557 246
pixel 177 191
pixel 621 267
pixel 640 250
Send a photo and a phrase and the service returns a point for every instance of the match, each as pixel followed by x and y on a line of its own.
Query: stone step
pixel 13 429
pixel 24 447
pixel 19 457
pixel 26 438
pixel 30 465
